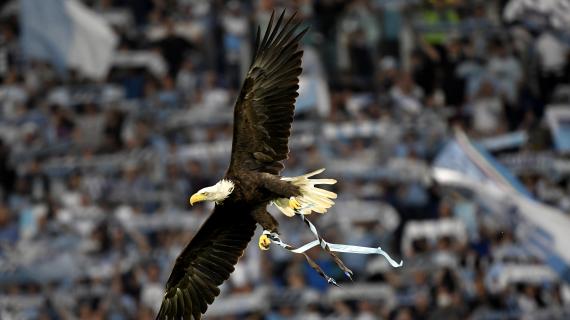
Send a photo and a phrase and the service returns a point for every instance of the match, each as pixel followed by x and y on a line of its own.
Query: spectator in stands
pixel 407 95
pixel 173 48
pixel 8 226
pixel 236 44
pixel 487 110
pixel 504 68
pixel 553 59
pixel 452 84
pixel 361 64
pixel 152 288
pixel 187 80
pixel 438 12
pixel 7 173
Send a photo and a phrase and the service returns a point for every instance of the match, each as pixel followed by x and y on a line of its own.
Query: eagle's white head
pixel 217 193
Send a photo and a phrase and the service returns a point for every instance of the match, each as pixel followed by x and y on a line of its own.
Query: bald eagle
pixel 263 114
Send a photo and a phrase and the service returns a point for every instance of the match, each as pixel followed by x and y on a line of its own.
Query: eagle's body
pixel 262 124
pixel 257 189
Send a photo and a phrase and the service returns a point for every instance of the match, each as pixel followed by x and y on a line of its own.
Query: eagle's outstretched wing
pixel 206 262
pixel 262 125
pixel 264 109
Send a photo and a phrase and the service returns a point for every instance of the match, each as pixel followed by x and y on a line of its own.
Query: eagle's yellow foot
pixel 294 204
pixel 264 242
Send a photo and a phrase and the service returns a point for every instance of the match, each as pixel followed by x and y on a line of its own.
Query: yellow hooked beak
pixel 197 197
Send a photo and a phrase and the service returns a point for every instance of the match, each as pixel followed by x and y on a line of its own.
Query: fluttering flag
pixel 542 229
pixel 68 34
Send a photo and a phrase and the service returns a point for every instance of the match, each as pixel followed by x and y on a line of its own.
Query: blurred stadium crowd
pixel 95 175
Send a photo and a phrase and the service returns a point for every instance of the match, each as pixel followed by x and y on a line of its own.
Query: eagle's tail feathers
pixel 311 198
pixel 283 206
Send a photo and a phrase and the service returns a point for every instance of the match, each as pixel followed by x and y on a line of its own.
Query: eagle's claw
pixel 294 204
pixel 264 242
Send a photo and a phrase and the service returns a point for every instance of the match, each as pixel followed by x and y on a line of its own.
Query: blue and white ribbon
pixel 330 248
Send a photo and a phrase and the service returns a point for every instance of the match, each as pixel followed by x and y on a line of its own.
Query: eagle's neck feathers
pixel 220 191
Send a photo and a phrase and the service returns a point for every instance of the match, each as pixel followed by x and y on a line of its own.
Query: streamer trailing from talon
pixel 263 114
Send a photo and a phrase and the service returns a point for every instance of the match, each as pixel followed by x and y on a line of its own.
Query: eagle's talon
pixel 264 242
pixel 294 204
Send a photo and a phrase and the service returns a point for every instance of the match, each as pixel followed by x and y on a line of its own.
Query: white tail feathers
pixel 311 198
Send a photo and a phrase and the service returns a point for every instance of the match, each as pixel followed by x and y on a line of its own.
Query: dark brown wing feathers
pixel 205 263
pixel 265 106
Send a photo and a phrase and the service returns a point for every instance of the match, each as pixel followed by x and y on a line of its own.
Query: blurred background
pixel 446 122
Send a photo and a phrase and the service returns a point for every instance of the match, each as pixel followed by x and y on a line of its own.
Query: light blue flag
pixel 474 161
pixel 68 34
pixel 542 229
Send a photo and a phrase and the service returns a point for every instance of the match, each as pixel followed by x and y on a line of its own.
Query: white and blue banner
pixel 542 229
pixel 469 158
pixel 68 34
